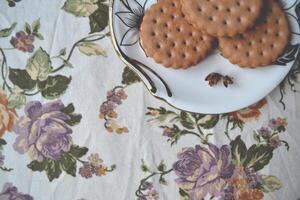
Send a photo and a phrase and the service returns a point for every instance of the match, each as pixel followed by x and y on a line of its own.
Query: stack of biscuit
pixel 181 33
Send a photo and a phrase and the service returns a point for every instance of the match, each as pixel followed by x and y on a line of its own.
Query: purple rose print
pixel 108 113
pixel 252 177
pixel 275 141
pixel 264 132
pixel 23 41
pixel 107 108
pixel 151 193
pixel 94 166
pixel 112 96
pixel 43 131
pixel 228 193
pixel 168 132
pixel 273 124
pixel 147 185
pixel 86 170
pixel 278 124
pixel 10 192
pixel 203 171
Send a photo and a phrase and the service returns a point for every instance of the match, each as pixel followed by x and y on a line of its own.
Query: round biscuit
pixel 263 44
pixel 169 39
pixel 222 17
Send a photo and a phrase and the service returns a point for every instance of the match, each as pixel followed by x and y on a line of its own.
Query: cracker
pixel 222 17
pixel 263 44
pixel 169 39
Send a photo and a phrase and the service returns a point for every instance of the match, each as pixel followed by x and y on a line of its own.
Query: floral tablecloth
pixel 75 123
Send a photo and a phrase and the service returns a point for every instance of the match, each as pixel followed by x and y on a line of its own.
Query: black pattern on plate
pixel 132 18
pixel 291 49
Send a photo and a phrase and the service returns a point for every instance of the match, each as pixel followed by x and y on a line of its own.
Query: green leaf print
pixel 68 109
pixel 186 120
pixel 39 65
pixel 270 183
pixel 36 26
pixel 39 36
pixel 258 156
pixel 7 31
pixel 75 118
pixel 16 99
pixel 208 121
pixel 63 52
pixel 27 28
pixel 162 166
pixel 91 49
pixel 68 164
pixel 21 78
pixel 78 151
pixel 184 195
pixel 238 150
pixel 55 86
pixel 80 8
pixel 144 166
pixel 99 19
pixel 129 77
pixel 53 169
pixel 37 166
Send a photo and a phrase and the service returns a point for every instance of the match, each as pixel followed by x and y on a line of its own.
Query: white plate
pixel 187 89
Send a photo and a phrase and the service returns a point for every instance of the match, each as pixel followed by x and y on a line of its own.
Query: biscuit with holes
pixel 263 44
pixel 222 17
pixel 169 39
